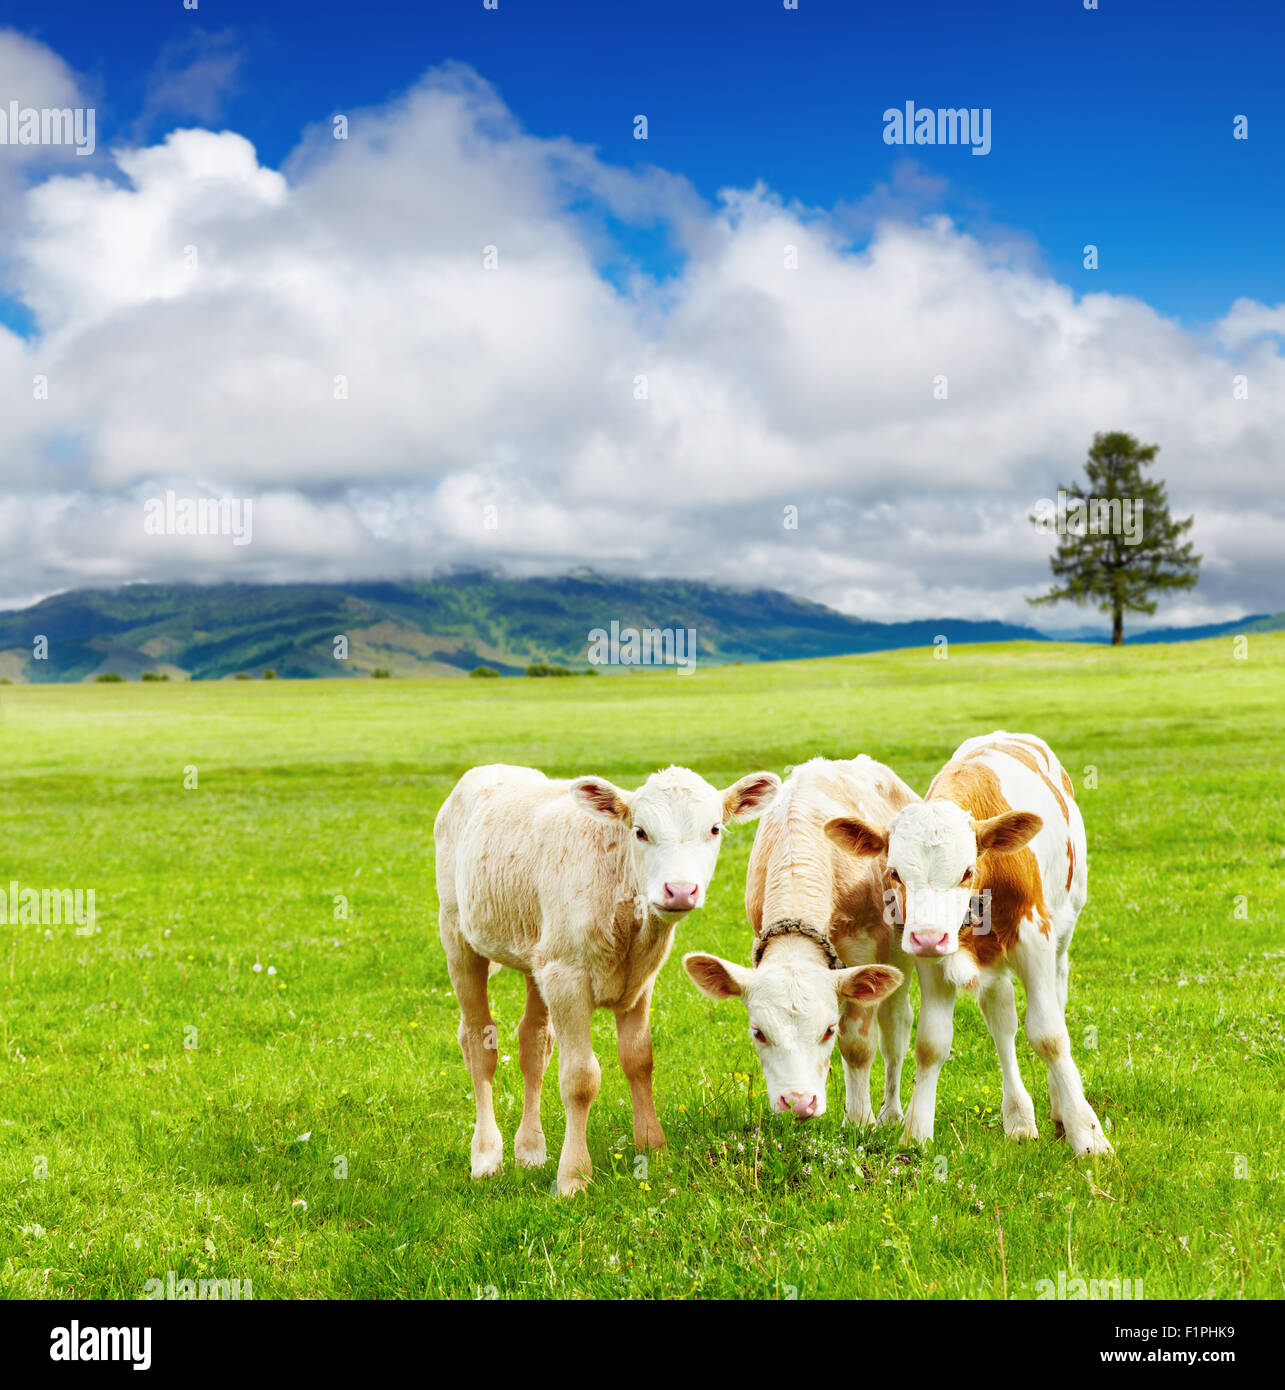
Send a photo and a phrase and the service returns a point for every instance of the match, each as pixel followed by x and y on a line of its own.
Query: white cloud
pixel 33 76
pixel 36 78
pixel 1248 320
pixel 516 387
pixel 192 77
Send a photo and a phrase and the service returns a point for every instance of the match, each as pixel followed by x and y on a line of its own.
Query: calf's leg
pixel 479 1042
pixel 857 1048
pixel 633 1039
pixel 1000 1013
pixel 895 1020
pixel 1046 1028
pixel 932 1047
pixel 535 1046
pixel 1061 967
pixel 568 994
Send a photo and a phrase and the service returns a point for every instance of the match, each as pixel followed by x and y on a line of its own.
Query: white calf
pixel 578 885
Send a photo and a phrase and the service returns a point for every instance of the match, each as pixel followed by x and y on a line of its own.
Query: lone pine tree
pixel 1118 541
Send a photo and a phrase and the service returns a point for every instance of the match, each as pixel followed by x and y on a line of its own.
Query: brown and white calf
pixel 999 825
pixel 578 885
pixel 816 910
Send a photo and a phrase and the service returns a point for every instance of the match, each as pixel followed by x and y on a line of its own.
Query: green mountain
pixel 442 626
pixel 1257 622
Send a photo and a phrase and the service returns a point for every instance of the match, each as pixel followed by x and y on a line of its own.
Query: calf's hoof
pixel 1019 1123
pixel 653 1137
pixel 1089 1143
pixel 916 1133
pixel 862 1119
pixel 571 1183
pixel 487 1165
pixel 529 1151
pixel 891 1115
pixel 487 1151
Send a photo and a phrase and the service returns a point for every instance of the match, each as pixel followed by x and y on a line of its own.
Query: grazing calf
pixel 998 827
pixel 579 886
pixel 815 909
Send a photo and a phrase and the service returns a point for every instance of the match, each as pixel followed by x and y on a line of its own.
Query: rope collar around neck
pixel 789 926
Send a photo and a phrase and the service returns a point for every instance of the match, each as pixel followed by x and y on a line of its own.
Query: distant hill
pixel 440 626
pixel 443 626
pixel 1256 622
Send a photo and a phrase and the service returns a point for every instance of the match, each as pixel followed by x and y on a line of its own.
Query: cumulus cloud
pixel 35 78
pixel 404 347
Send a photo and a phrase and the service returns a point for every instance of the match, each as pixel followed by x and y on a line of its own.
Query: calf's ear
pixel 750 797
pixel 1007 832
pixel 856 836
pixel 600 798
pixel 867 984
pixel 715 977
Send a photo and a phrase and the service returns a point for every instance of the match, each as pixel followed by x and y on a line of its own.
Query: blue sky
pixel 1110 126
pixel 761 312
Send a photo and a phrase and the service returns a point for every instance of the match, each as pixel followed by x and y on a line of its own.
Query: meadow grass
pixel 186 1088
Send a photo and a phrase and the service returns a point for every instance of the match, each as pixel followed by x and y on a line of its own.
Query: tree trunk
pixel 1117 628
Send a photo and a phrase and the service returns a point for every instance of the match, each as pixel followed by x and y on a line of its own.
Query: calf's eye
pixel 829 1033
pixel 894 875
pixel 640 834
pixel 715 829
pixel 758 1035
pixel 968 876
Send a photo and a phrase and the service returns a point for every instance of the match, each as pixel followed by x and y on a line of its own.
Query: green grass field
pixel 327 1046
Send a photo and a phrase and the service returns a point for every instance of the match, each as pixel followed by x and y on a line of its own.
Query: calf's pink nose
pixel 928 942
pixel 681 896
pixel 803 1103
